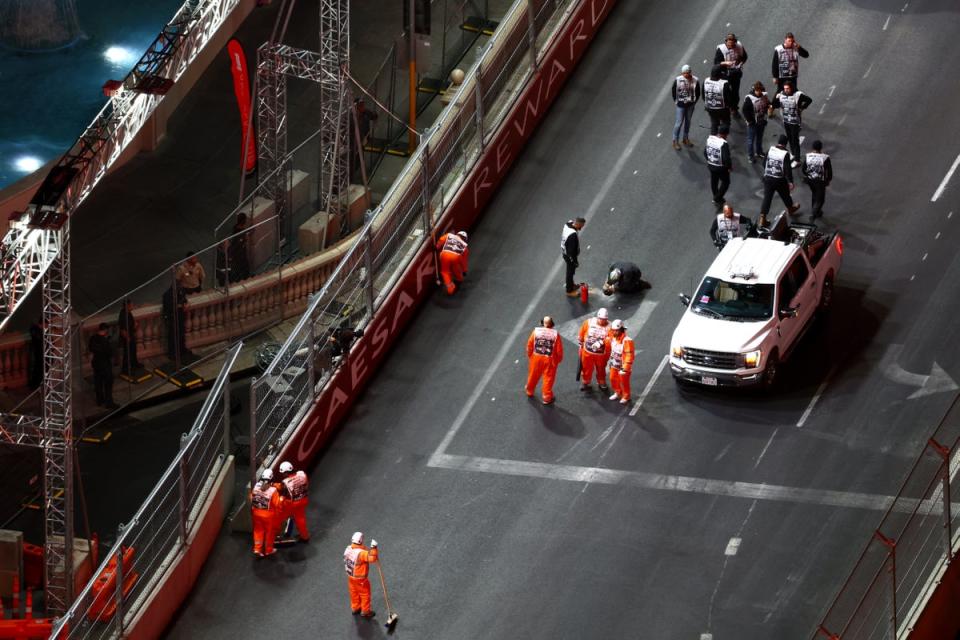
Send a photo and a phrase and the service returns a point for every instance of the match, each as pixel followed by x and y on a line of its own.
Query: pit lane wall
pixel 417 282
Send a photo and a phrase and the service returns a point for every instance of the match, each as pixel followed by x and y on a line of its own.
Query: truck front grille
pixel 712 359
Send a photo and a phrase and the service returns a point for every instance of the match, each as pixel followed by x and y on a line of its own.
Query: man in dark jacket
pixel 717 153
pixel 731 55
pixel 570 250
pixel 791 103
pixel 623 277
pixel 102 361
pixel 128 326
pixel 785 67
pixel 718 98
pixel 817 172
pixel 777 178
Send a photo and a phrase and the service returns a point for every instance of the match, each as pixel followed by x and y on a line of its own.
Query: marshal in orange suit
pixel 545 352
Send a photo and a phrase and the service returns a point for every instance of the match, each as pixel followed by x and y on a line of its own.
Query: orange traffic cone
pixel 584 292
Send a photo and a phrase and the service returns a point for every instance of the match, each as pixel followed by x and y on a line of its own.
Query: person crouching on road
pixel 265 507
pixel 594 350
pixel 621 361
pixel 293 489
pixel 454 252
pixel 623 277
pixel 356 561
pixel 545 352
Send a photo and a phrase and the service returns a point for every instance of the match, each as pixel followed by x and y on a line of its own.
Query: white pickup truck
pixel 754 304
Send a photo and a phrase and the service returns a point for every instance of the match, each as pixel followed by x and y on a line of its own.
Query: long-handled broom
pixel 392 616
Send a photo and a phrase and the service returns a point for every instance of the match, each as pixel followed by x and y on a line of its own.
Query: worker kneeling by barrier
pixel 104 604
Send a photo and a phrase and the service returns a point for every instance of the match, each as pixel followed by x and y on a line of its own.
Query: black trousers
pixel 129 349
pixel 793 139
pixel 734 77
pixel 818 193
pixel 719 183
pixel 571 270
pixel 778 186
pixel 718 117
pixel 103 385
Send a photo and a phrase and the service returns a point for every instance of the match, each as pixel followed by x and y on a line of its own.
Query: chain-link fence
pixel 405 219
pixel 917 537
pixel 150 541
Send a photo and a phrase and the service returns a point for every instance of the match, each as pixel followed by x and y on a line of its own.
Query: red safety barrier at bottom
pixel 33 565
pixel 25 629
pixel 104 603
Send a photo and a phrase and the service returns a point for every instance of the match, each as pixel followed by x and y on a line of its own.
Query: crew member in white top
pixel 817 172
pixel 777 178
pixel 731 55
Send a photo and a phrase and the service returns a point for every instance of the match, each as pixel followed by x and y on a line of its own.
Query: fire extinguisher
pixel 584 292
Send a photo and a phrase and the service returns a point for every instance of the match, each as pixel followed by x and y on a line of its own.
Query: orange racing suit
pixel 545 352
pixel 594 350
pixel 264 506
pixel 453 260
pixel 294 489
pixel 356 561
pixel 621 364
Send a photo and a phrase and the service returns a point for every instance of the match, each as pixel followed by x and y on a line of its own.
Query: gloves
pixel 373 544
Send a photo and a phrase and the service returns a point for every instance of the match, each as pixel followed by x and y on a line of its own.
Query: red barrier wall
pixel 417 282
pixel 940 619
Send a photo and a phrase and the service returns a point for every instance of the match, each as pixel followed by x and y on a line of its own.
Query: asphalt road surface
pixel 688 513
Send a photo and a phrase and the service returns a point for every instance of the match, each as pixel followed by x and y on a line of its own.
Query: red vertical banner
pixel 241 88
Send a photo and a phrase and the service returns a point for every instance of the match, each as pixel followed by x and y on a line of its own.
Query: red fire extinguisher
pixel 584 292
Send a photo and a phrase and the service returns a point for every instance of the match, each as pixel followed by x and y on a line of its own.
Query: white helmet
pixel 462 234
pixel 267 474
pixel 617 324
pixel 602 313
pixel 286 467
pixel 357 538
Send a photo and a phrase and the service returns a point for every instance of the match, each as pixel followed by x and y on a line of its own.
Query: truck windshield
pixel 733 300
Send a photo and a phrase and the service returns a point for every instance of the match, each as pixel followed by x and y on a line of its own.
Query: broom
pixel 392 617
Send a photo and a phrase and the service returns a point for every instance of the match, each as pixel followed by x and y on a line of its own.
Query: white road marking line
pixel 946 179
pixel 646 390
pixel 887 23
pixel 904 7
pixel 523 322
pixel 816 397
pixel 823 107
pixel 833 88
pixel 937 237
pixel 912 277
pixel 842 119
pixel 612 208
pixel 924 258
pixel 635 171
pixel 949 215
pixel 732 547
pixel 706 636
pixel 869 69
pixel 767 446
pixel 659 134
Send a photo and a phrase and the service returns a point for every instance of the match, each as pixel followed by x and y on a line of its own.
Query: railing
pixel 917 537
pixel 148 543
pixel 404 220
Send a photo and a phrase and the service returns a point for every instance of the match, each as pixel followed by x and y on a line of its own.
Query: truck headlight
pixel 677 352
pixel 751 359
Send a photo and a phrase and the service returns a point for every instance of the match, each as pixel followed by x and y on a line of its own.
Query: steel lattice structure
pixel 36 248
pixel 275 62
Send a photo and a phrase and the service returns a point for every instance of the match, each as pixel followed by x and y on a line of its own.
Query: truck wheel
pixel 826 295
pixel 771 372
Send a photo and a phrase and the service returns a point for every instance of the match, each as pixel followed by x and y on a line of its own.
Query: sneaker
pixel 604 388
pixel 550 401
pixel 676 145
pixel 584 387
pixel 753 160
pixel 687 142
pixel 624 400
pixel 355 612
pixel 793 210
pixel 529 393
pixel 573 294
pixel 614 397
pixel 795 164
pixel 368 614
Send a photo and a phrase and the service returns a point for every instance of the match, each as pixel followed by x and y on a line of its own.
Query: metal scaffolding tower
pixel 277 61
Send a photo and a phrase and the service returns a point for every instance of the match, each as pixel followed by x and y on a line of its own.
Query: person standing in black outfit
pixel 755 106
pixel 128 326
pixel 817 172
pixel 785 67
pixel 239 256
pixel 731 55
pixel 570 250
pixel 777 178
pixel 717 153
pixel 175 317
pixel 718 98
pixel 102 352
pixel 791 103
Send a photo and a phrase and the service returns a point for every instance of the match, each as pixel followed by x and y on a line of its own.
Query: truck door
pixel 794 292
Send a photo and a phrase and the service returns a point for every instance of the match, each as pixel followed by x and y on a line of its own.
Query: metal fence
pixel 399 226
pixel 150 541
pixel 914 542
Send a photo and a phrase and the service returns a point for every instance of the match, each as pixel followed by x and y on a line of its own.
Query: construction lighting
pixel 120 56
pixel 27 164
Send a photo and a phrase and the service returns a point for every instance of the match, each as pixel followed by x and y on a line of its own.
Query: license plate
pixel 709 381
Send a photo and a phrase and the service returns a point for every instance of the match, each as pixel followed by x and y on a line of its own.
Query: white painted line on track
pixel 946 179
pixel 843 119
pixel 767 446
pixel 887 23
pixel 833 88
pixel 732 547
pixel 524 320
pixel 949 215
pixel 816 397
pixel 924 258
pixel 647 389
pixel 912 277
pixel 676 483
pixel 869 69
pixel 823 108
pixel 937 237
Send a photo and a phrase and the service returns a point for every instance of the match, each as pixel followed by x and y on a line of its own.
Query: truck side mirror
pixel 684 299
